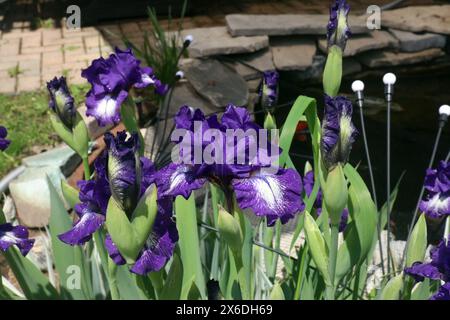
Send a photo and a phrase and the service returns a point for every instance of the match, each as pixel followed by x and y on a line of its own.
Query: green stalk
pixel 157 282
pixel 301 273
pixel 87 169
pixel 331 288
pixel 112 271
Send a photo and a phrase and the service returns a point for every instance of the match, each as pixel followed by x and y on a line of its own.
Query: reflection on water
pixel 413 133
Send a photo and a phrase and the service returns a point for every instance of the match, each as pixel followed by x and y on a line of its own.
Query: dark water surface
pixel 413 133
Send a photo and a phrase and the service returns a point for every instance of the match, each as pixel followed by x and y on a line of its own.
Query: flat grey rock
pixel 384 58
pixel 293 53
pixel 217 41
pixel 361 43
pixel 314 71
pixel 286 24
pixel 217 83
pixel 245 71
pixel 31 194
pixel 261 60
pixel 419 19
pixel 413 42
pixel 62 157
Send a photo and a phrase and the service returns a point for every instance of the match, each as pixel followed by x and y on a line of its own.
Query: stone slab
pixel 31 195
pixel 385 58
pixel 419 19
pixel 245 71
pixel 217 41
pixel 413 42
pixel 217 83
pixel 286 24
pixel 361 43
pixel 293 53
pixel 62 157
pixel 261 60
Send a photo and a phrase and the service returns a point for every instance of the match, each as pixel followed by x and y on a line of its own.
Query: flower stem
pixel 87 170
pixel 112 270
pixel 331 288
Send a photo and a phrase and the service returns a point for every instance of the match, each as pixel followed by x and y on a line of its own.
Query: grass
pixel 26 116
pixel 14 71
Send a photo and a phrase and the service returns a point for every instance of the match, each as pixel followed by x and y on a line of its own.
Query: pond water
pixel 419 94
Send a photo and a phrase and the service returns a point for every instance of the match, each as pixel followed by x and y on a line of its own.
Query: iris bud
pixel 62 102
pixel 335 194
pixel 230 230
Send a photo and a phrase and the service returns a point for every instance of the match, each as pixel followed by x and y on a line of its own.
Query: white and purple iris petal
pixel 89 222
pixel 179 180
pixel 437 183
pixel 436 205
pixel 105 107
pixel 15 235
pixel 275 196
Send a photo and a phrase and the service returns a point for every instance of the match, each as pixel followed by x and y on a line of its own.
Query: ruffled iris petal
pixel 105 108
pixel 436 205
pixel 89 222
pixel 179 179
pixel 443 293
pixel 271 195
pixel 15 235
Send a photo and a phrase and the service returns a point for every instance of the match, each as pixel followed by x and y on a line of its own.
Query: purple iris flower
pixel 338 30
pixel 94 196
pixel 437 269
pixel 4 143
pixel 121 174
pixel 268 91
pixel 338 131
pixel 437 183
pixel 308 183
pixel 61 101
pixel 111 80
pixel 15 235
pixel 275 194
